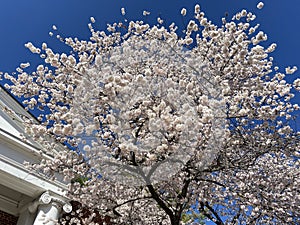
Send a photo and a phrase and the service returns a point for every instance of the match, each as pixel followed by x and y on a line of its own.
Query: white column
pixel 48 209
pixel 47 214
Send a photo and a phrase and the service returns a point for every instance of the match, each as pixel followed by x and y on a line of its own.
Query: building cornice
pixel 17 177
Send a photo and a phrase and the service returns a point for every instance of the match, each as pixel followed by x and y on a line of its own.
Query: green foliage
pixel 191 217
pixel 81 180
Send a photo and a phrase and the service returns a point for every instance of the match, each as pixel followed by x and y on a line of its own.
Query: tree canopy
pixel 164 128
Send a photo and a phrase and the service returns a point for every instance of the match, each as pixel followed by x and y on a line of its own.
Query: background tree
pixel 163 129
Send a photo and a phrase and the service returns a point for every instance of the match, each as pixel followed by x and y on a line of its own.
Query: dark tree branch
pixel 160 202
pixel 216 218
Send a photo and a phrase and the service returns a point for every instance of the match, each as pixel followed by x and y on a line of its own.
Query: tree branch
pixel 160 202
pixel 216 219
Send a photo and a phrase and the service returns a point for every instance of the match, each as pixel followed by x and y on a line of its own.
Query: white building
pixel 26 198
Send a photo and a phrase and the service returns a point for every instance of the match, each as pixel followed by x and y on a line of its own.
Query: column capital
pixel 47 198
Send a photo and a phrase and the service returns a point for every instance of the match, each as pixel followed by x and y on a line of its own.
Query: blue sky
pixel 31 20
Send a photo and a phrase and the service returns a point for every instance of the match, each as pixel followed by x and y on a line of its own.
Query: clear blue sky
pixel 31 20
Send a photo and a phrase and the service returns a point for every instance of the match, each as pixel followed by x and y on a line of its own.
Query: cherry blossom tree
pixel 164 129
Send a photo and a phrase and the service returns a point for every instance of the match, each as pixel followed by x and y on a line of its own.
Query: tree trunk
pixel 175 220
